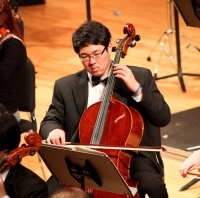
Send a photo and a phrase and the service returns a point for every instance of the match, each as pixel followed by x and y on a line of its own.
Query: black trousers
pixel 146 173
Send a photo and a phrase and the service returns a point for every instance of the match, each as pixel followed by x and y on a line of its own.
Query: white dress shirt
pixel 95 92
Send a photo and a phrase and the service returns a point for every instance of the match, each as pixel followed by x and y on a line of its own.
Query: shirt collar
pixel 5 173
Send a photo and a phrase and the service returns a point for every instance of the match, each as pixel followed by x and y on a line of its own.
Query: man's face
pixel 96 59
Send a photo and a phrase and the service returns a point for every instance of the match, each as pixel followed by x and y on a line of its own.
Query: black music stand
pixel 81 168
pixel 187 12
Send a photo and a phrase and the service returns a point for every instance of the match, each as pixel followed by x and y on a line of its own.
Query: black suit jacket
pixel 23 183
pixel 70 100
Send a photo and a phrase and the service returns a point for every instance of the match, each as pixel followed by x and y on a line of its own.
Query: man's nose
pixel 92 59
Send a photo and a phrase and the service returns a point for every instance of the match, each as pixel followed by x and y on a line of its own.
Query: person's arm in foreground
pixel 191 163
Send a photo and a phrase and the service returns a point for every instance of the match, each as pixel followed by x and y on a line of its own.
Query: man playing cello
pixel 134 87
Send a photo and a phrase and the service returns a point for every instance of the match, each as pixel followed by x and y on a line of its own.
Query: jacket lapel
pixel 80 91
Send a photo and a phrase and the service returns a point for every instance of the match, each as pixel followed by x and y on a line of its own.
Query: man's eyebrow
pixel 83 53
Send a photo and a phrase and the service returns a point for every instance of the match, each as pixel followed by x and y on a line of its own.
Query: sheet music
pixel 77 148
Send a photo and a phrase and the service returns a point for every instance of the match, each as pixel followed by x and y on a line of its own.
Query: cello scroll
pixel 128 41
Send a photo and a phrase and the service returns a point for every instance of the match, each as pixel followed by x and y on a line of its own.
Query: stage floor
pixel 183 131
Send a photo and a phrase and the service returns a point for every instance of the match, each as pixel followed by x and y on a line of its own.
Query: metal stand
pixel 190 43
pixel 192 182
pixel 88 10
pixel 168 36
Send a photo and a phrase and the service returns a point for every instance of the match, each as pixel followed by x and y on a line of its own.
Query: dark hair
pixel 7 20
pixel 2 107
pixel 90 32
pixel 9 131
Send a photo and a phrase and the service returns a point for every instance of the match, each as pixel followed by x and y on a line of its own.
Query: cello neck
pixel 103 110
pixel 108 92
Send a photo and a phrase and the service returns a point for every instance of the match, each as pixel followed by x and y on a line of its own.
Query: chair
pixel 26 98
pixel 26 102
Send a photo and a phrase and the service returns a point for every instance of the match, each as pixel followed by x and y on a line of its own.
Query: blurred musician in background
pixel 71 192
pixel 17 181
pixel 191 163
pixel 12 58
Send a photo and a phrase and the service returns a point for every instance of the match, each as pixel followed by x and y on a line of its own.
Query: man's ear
pixel 110 48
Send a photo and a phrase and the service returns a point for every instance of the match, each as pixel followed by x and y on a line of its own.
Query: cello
pixel 113 122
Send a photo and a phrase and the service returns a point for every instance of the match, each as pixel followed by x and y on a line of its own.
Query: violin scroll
pixel 34 142
pixel 33 139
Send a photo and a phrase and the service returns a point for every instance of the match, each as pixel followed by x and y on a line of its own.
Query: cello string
pixel 101 117
pixel 99 126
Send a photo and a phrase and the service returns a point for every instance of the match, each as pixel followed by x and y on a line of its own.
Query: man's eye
pixel 97 54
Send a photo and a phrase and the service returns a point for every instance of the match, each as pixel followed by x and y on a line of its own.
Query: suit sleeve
pixel 153 104
pixel 54 116
pixel 12 55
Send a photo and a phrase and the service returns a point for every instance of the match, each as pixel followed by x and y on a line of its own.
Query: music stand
pixel 187 12
pixel 80 168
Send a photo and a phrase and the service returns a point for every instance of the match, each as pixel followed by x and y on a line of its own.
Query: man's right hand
pixel 56 136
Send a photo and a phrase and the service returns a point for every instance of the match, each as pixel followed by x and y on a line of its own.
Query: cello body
pixel 121 122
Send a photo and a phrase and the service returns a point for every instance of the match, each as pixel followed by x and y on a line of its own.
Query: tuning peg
pixel 132 44
pixel 114 49
pixel 118 41
pixel 137 37
pixel 19 158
